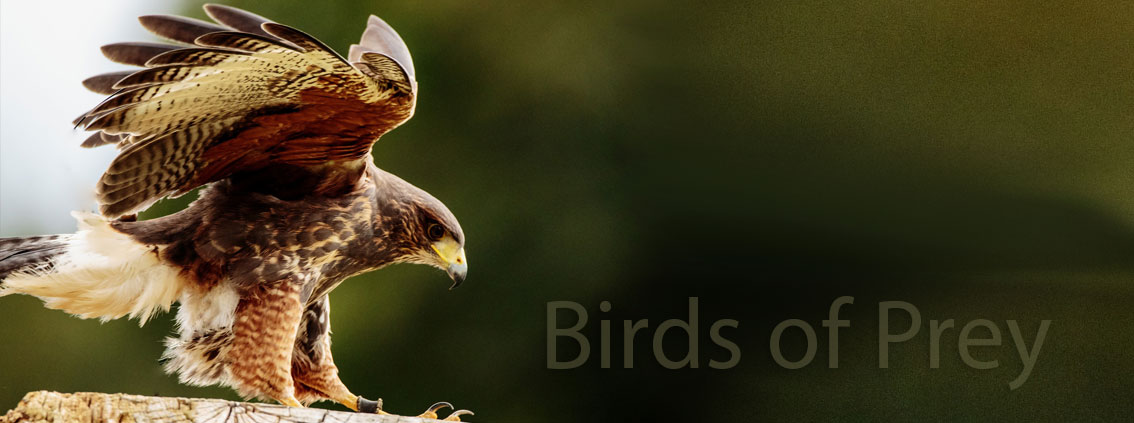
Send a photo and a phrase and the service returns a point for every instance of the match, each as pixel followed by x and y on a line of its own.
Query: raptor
pixel 277 128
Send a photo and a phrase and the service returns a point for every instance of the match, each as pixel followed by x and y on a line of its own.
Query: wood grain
pixel 94 407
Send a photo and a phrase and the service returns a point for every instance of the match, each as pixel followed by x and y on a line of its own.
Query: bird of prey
pixel 278 129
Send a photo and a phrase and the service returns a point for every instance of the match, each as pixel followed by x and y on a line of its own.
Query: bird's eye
pixel 435 231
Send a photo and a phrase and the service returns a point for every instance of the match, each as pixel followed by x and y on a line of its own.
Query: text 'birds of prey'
pixel 278 128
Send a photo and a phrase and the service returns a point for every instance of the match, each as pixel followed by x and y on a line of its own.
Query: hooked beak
pixel 457 271
pixel 453 260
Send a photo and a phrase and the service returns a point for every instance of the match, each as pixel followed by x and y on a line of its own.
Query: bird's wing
pixel 381 38
pixel 251 99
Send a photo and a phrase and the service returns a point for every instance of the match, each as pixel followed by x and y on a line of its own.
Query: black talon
pixel 368 406
pixel 433 408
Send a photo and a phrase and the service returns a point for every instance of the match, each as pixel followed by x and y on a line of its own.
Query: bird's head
pixel 439 240
pixel 425 230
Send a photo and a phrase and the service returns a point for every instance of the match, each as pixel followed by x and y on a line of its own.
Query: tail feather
pixel 95 273
pixel 29 254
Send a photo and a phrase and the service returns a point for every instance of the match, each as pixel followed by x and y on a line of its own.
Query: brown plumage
pixel 278 127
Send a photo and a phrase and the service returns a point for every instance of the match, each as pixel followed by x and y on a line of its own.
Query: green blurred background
pixel 971 158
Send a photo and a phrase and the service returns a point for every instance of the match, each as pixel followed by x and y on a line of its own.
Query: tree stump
pixel 94 407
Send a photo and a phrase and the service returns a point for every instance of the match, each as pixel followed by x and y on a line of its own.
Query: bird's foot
pixel 375 407
pixel 455 416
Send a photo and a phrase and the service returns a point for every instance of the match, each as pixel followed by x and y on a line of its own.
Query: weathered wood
pixel 94 407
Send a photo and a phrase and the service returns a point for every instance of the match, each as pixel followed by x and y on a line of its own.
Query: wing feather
pixel 104 83
pixel 301 39
pixel 384 68
pixel 178 28
pixel 196 57
pixel 380 37
pixel 127 95
pixel 95 140
pixel 160 74
pixel 135 54
pixel 244 96
pixel 243 41
pixel 240 20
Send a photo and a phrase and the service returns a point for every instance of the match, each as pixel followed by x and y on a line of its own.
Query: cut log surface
pixel 93 407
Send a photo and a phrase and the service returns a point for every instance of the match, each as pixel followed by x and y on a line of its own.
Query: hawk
pixel 278 129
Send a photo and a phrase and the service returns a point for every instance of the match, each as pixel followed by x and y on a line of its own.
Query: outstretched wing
pixel 250 100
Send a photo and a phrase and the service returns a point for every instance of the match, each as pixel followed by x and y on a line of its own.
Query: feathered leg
pixel 317 377
pixel 264 334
